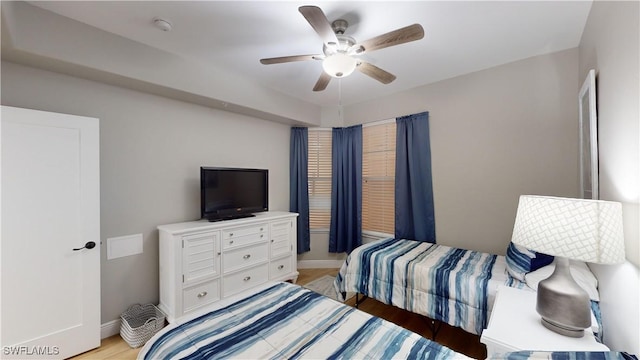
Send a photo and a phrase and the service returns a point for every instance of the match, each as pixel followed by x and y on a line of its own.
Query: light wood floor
pixel 454 338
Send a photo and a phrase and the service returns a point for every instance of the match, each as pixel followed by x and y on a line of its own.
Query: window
pixel 378 177
pixel 319 178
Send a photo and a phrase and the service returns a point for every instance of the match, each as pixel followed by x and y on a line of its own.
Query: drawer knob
pixel 280 267
pixel 247 278
pixel 271 240
pixel 246 256
pixel 261 229
pixel 202 294
pixel 261 236
pixel 230 234
pixel 230 242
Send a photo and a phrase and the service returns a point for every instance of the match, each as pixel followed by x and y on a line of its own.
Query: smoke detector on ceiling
pixel 162 24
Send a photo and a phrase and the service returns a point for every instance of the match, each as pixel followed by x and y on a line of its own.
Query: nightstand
pixel 515 325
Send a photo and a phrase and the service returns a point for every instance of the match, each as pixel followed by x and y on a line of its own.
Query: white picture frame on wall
pixel 588 125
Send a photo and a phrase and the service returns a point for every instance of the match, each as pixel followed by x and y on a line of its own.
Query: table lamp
pixel 579 229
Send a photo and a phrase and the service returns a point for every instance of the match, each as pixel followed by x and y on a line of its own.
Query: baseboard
pixel 109 329
pixel 320 264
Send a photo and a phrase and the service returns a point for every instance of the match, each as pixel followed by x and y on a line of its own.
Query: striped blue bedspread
pixel 452 285
pixel 285 321
pixel 564 355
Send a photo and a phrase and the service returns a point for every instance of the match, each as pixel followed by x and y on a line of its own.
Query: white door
pixel 50 196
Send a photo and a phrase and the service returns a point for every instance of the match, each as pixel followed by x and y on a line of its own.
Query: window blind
pixel 378 177
pixel 319 178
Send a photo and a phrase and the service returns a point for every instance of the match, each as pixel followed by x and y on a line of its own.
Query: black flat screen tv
pixel 230 193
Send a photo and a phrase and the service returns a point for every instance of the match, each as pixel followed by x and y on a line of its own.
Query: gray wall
pixel 495 134
pixel 610 45
pixel 151 149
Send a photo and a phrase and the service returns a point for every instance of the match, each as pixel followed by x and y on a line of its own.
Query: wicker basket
pixel 139 323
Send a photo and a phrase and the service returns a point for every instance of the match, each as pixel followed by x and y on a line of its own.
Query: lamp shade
pixel 579 229
pixel 339 65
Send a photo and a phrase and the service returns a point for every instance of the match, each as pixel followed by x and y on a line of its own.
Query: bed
pixel 286 321
pixel 446 284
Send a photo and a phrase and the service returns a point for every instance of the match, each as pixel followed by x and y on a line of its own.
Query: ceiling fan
pixel 340 51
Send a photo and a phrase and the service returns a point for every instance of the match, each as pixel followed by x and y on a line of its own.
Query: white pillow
pixel 580 272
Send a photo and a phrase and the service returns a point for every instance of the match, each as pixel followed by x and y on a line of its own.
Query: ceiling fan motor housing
pixel 339 26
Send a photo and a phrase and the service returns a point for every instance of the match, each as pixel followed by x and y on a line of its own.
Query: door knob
pixel 88 245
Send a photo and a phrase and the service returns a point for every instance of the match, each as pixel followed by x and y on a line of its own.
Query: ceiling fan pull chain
pixel 340 117
pixel 340 93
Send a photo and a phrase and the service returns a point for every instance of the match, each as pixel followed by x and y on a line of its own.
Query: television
pixel 228 193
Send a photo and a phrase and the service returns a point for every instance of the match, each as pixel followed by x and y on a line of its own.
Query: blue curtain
pixel 414 213
pixel 345 232
pixel 298 182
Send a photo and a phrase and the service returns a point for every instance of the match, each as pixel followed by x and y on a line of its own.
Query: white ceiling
pixel 460 37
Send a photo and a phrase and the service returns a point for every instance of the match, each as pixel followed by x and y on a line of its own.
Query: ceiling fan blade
pixel 319 22
pixel 375 72
pixel 322 82
pixel 396 37
pixel 286 59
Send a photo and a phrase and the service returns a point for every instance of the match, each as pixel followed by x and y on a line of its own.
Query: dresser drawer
pixel 245 279
pixel 244 257
pixel 242 236
pixel 280 267
pixel 200 295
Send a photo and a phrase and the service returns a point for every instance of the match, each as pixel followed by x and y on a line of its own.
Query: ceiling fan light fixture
pixel 339 65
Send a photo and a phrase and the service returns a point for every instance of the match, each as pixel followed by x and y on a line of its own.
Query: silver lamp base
pixel 562 303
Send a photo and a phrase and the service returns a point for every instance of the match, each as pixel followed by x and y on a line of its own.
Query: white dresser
pixel 202 262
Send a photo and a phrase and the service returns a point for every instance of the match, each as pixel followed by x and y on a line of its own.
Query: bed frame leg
pixel 358 300
pixel 434 326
